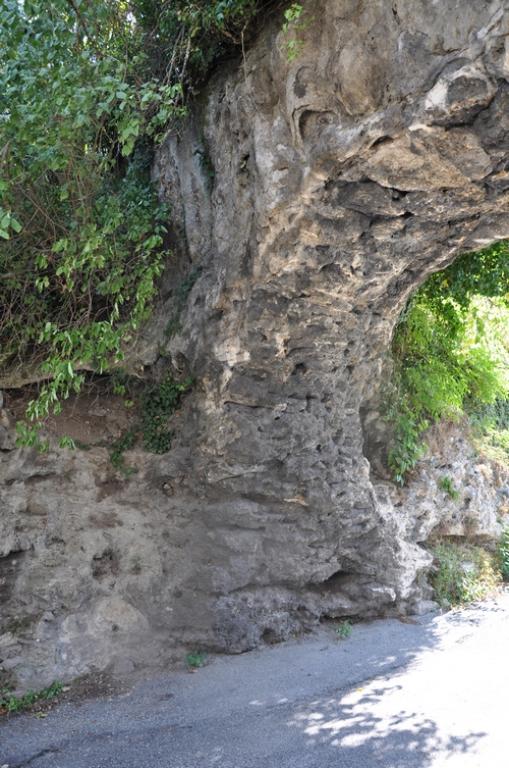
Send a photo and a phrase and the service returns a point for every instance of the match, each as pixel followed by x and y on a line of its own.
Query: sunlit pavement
pixel 430 694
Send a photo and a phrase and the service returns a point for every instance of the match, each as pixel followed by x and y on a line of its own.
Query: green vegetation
pixel 293 24
pixel 451 354
pixel 9 703
pixel 87 90
pixel 124 443
pixel 82 230
pixel 446 484
pixel 344 630
pixel 67 442
pixel 491 429
pixel 503 554
pixel 158 402
pixel 196 660
pixel 451 362
pixel 463 573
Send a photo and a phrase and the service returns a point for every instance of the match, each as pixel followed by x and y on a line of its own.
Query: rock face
pixel 455 492
pixel 310 198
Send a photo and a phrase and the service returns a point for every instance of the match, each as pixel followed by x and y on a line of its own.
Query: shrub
pixel 86 91
pixel 463 573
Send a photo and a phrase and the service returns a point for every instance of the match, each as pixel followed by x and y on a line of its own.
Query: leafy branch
pixel 87 90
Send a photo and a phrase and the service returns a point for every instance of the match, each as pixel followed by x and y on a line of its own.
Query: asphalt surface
pixel 433 694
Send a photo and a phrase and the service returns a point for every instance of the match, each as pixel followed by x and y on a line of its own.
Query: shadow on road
pixel 365 727
pixel 361 737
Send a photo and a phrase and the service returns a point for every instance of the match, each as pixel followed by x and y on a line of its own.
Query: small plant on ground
pixel 446 484
pixel 195 660
pixel 344 630
pixel 463 573
pixel 9 703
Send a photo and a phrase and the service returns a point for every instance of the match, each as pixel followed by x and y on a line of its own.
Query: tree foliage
pixel 450 350
pixel 86 90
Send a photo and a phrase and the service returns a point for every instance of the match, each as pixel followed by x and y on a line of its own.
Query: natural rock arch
pixel 340 181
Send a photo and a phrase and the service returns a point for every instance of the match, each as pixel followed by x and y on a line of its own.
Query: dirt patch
pixel 94 417
pixel 93 686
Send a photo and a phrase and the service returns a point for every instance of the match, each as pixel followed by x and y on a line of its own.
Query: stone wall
pixel 310 198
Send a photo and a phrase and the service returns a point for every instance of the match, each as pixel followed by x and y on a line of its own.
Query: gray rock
pixel 341 181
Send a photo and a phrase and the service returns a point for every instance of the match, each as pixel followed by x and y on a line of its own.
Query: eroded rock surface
pixel 310 198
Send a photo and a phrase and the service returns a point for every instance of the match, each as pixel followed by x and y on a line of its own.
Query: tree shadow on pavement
pixel 363 735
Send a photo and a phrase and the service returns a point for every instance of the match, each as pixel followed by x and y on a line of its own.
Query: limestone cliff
pixel 309 199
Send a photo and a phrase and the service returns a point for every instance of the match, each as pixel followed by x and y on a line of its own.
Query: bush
pixel 463 573
pixel 86 91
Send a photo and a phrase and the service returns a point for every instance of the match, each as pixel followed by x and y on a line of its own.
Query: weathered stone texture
pixel 340 181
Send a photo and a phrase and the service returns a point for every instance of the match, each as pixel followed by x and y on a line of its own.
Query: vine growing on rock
pixel 450 351
pixel 86 91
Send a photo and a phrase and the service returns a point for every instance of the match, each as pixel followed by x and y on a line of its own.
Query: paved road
pixel 434 694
